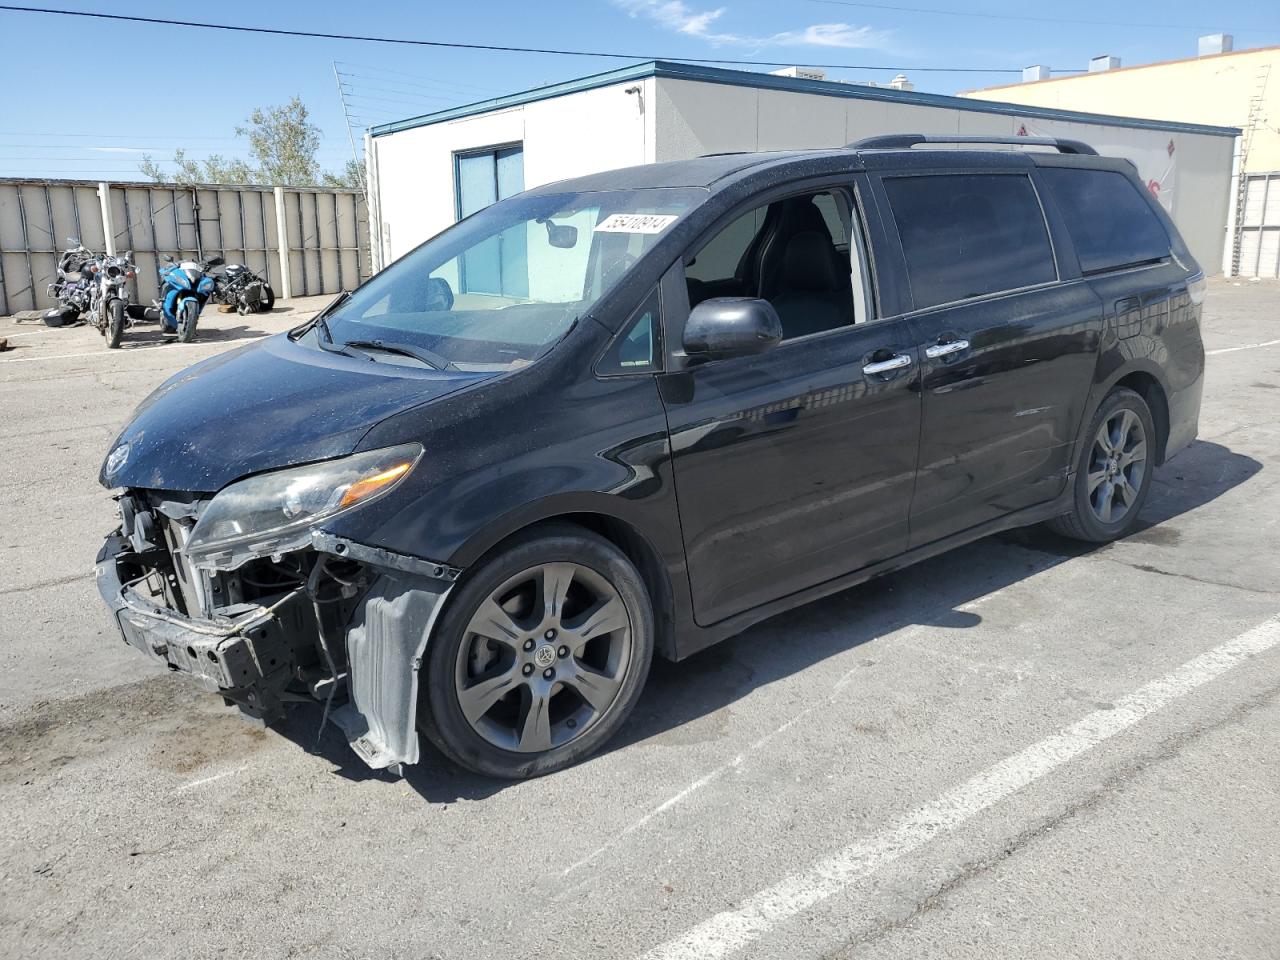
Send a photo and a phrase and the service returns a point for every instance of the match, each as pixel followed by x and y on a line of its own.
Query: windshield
pixel 500 288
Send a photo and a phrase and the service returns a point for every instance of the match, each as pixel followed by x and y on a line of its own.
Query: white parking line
pixel 1247 346
pixel 730 931
pixel 124 353
pixel 718 772
pixel 217 776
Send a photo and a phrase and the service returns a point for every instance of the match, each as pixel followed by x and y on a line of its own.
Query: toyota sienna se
pixel 629 415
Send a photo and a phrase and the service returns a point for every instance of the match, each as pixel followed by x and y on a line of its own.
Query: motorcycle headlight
pixel 275 512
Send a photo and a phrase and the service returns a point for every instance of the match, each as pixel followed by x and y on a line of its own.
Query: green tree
pixel 283 143
pixel 351 177
pixel 191 172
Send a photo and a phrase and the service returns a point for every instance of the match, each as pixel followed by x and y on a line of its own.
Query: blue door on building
pixel 498 266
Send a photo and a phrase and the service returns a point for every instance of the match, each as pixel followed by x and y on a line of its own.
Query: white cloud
pixel 831 35
pixel 679 17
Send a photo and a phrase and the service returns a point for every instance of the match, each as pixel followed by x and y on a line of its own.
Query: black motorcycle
pixel 238 286
pixel 74 287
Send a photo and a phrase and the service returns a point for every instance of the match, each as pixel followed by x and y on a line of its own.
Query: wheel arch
pixel 1148 386
pixel 594 517
pixel 1147 381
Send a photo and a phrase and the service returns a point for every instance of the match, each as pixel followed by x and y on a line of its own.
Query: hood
pixel 272 404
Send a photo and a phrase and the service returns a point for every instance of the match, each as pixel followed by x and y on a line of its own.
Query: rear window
pixel 1110 221
pixel 967 235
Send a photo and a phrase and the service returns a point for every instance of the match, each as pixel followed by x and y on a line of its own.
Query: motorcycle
pixel 185 288
pixel 109 309
pixel 240 287
pixel 73 288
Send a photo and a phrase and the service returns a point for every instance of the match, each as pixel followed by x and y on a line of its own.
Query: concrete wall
pixel 325 246
pixel 1213 90
pixel 1193 181
pixel 412 171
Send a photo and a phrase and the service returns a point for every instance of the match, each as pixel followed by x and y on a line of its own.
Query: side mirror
pixel 731 327
pixel 439 294
pixel 167 259
pixel 128 255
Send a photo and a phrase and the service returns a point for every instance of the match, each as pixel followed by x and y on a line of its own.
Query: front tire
pixel 115 324
pixel 188 314
pixel 1114 472
pixel 539 657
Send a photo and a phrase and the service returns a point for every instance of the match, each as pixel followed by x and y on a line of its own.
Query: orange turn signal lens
pixel 368 486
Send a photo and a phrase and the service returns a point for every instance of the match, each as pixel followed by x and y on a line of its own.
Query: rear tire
pixel 548 644
pixel 115 324
pixel 1114 470
pixel 188 314
pixel 268 301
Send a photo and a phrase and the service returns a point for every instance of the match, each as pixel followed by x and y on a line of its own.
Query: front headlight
pixel 274 512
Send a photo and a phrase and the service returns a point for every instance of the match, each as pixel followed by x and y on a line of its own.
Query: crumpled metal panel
pixel 385 641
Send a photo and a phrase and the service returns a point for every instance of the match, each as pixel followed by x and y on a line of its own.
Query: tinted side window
pixel 965 235
pixel 1108 217
pixel 636 348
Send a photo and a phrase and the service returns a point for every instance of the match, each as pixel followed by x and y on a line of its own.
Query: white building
pixel 427 172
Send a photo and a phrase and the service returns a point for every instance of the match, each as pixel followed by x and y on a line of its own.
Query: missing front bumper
pixel 253 659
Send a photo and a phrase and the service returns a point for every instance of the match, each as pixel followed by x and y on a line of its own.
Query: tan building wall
pixel 1212 90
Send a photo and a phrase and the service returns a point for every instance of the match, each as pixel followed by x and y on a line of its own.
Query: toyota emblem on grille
pixel 116 459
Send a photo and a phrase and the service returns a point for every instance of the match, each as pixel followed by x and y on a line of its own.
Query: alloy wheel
pixel 543 657
pixel 1117 466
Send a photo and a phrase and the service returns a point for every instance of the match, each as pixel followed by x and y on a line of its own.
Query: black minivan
pixel 631 414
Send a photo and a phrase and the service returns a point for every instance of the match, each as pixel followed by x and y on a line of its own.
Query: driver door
pixel 794 466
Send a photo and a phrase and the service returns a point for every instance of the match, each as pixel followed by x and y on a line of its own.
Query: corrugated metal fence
pixel 304 241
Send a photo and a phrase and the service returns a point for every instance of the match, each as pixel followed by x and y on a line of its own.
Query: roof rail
pixel 905 141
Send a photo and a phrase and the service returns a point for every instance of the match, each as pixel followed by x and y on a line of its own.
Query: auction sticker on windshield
pixel 635 223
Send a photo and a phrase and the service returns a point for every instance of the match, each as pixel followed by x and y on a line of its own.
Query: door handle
pixel 896 362
pixel 934 351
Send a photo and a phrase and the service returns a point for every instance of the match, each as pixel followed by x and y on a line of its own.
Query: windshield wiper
pixel 431 359
pixel 320 319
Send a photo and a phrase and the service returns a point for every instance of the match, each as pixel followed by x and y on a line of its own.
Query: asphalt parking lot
pixel 1021 749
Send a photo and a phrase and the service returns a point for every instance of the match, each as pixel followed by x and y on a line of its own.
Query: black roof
pixel 719 170
pixel 698 172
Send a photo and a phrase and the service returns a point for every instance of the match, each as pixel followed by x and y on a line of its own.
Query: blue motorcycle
pixel 185 288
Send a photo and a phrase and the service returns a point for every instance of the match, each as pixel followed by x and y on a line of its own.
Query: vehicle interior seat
pixel 813 295
pixel 787 219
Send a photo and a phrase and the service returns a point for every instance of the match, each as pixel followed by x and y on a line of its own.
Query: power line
pixel 404 93
pixel 413 79
pixel 113 150
pixel 176 138
pixel 415 103
pixel 1011 16
pixel 492 48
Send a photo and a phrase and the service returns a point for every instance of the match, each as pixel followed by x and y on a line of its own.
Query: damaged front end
pixel 267 614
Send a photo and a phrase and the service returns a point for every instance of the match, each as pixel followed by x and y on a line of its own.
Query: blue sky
pixel 84 98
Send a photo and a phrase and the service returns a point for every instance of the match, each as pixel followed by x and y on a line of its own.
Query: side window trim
pixel 890 227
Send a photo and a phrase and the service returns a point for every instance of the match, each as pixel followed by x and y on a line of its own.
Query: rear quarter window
pixel 1109 219
pixel 968 235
